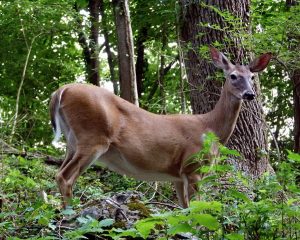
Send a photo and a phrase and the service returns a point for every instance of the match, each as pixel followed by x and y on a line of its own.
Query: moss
pixel 140 207
pixel 119 224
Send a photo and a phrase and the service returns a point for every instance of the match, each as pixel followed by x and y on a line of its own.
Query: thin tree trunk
pixel 13 130
pixel 156 84
pixel 29 49
pixel 181 68
pixel 110 56
pixel 94 76
pixel 161 74
pixel 90 47
pixel 140 60
pixel 249 136
pixel 181 88
pixel 127 74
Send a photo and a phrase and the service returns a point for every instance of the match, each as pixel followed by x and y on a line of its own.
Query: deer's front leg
pixel 186 188
pixel 182 191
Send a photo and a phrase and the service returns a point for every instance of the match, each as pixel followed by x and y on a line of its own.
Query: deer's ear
pixel 219 59
pixel 260 63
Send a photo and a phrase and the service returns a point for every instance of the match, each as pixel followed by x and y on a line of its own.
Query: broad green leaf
pixel 180 228
pixel 120 233
pixel 68 211
pixel 145 226
pixel 293 156
pixel 197 206
pixel 82 220
pixel 206 220
pixel 177 219
pixel 106 222
pixel 234 236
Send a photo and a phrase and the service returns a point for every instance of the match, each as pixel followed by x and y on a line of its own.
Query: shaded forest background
pixel 46 44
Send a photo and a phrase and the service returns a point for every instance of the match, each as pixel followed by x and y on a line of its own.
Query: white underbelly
pixel 116 162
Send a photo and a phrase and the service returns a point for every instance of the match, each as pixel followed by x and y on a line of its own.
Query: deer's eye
pixel 252 78
pixel 233 77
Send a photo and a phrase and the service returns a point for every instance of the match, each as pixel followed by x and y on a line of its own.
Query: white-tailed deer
pixel 99 126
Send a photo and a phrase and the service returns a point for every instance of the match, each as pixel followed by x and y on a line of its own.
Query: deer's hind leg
pixel 74 166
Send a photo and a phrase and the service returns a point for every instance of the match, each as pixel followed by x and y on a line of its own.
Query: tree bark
pixel 161 75
pixel 295 78
pixel 296 96
pixel 140 60
pixel 249 136
pixel 90 50
pixel 127 74
pixel 110 56
pixel 94 76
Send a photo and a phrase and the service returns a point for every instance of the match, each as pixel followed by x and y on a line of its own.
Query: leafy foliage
pixel 54 60
pixel 228 213
pixel 29 202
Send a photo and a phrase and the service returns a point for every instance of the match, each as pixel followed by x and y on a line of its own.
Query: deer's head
pixel 239 78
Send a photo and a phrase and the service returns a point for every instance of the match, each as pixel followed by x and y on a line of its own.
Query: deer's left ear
pixel 260 63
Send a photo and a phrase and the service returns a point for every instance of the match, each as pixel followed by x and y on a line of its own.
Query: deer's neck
pixel 222 119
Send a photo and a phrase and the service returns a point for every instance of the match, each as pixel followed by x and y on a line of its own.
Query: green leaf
pixel 43 221
pixel 226 151
pixel 177 219
pixel 82 3
pixel 234 236
pixel 82 220
pixel 68 211
pixel 293 156
pixel 208 179
pixel 118 233
pixel 206 220
pixel 236 194
pixel 145 226
pixel 180 228
pixel 106 222
pixel 196 206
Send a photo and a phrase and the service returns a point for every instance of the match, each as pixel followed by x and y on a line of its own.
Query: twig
pixel 162 195
pixel 59 228
pixel 117 205
pixel 164 204
pixel 112 202
pixel 155 191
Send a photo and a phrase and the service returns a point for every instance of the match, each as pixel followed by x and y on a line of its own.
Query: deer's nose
pixel 248 96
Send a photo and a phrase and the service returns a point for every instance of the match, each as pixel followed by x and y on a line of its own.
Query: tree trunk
pixel 249 136
pixel 125 52
pixel 91 49
pixel 140 60
pixel 161 75
pixel 296 96
pixel 94 76
pixel 110 56
pixel 295 78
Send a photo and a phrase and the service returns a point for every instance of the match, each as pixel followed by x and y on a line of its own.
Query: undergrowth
pixel 30 204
